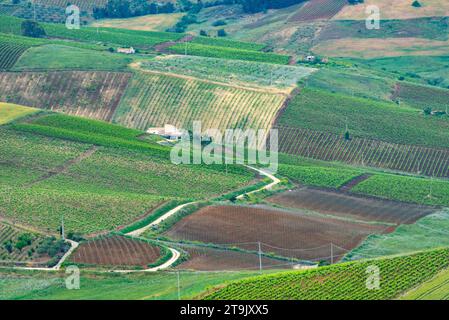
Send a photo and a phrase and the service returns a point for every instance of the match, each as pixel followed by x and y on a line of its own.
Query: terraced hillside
pixel 154 99
pixel 93 94
pixel 346 281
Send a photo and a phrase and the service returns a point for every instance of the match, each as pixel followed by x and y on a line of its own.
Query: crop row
pixel 228 53
pixel 366 152
pixel 156 100
pixel 346 281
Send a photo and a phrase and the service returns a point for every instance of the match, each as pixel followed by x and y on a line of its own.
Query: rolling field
pixel 407 189
pixel 92 94
pixel 138 286
pixel 10 53
pixel 368 48
pixel 322 111
pixel 243 73
pixel 152 22
pixel 116 250
pixel 96 188
pixel 61 57
pixel 365 152
pixel 318 9
pixel 289 234
pixel 428 28
pixel 434 289
pixel 399 9
pixel 427 233
pixel 422 96
pixel 223 52
pixel 210 259
pixel 82 4
pixel 154 100
pixel 351 207
pixel 340 282
pixel 10 112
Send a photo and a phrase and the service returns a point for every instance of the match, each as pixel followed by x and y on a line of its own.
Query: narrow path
pixel 353 182
pixel 136 233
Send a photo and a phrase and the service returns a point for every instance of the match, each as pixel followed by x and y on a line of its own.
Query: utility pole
pixel 260 257
pixel 332 253
pixel 179 286
pixel 34 9
pixel 185 49
pixel 62 228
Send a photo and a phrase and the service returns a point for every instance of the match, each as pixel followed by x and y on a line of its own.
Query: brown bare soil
pixel 285 233
pixel 318 9
pixel 116 251
pixel 210 259
pixel 91 94
pixel 352 207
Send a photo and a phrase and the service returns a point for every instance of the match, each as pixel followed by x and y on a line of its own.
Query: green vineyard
pixel 9 54
pixel 346 281
pixel 156 99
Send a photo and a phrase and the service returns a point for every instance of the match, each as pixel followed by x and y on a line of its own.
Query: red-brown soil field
pixel 318 9
pixel 211 259
pixel 92 94
pixel 116 251
pixel 293 234
pixel 352 207
pixel 359 151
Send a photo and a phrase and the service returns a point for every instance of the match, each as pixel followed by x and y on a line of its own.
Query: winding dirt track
pixel 136 233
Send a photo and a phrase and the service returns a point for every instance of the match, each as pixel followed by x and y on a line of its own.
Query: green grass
pixel 230 71
pixel 10 112
pixel 219 42
pixel 409 189
pixel 324 111
pixel 346 281
pixel 423 69
pixel 427 28
pixel 435 289
pixel 228 53
pixel 427 233
pixel 94 286
pixel 61 57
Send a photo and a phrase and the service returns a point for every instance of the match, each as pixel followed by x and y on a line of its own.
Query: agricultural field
pixel 10 112
pixel 427 233
pixel 10 53
pixel 364 152
pixel 243 73
pixel 132 177
pixel 319 110
pixel 399 9
pixel 434 289
pixel 351 207
pixel 343 281
pixel 223 52
pixel 203 258
pixel 19 285
pixel 82 4
pixel 153 100
pixel 61 57
pixel 435 28
pixel 369 48
pixel 93 94
pixel 152 22
pixel 318 9
pixel 116 251
pixel 408 189
pixel 422 97
pixel 290 234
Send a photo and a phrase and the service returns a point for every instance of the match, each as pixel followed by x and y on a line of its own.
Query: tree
pixel 203 33
pixel 416 4
pixel 32 29
pixel 427 111
pixel 221 33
